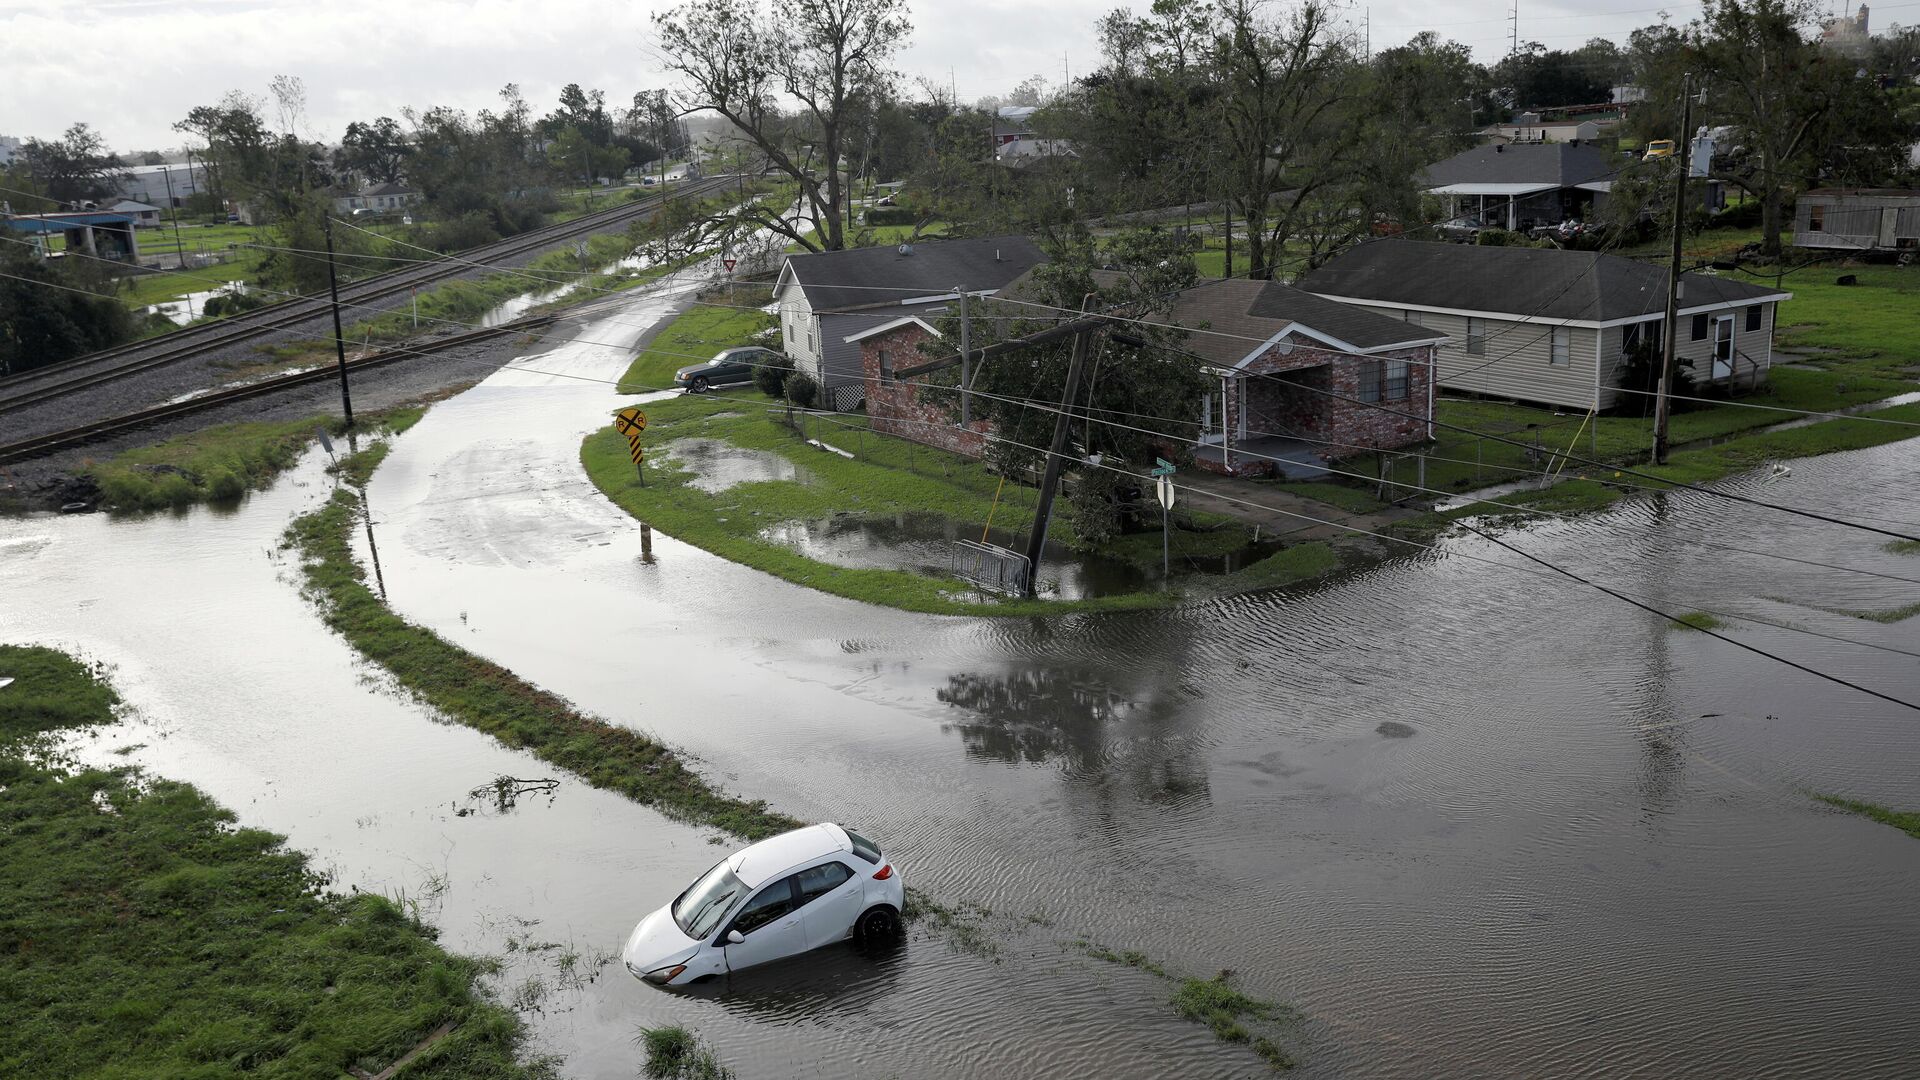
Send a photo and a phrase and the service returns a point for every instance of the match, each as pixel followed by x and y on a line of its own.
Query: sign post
pixel 630 422
pixel 1163 490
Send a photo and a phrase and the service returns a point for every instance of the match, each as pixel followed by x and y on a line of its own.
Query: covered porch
pixel 1267 425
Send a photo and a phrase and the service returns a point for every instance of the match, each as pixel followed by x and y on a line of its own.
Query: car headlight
pixel 665 975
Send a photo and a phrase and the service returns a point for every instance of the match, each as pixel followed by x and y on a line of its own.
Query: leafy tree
pixel 51 312
pixel 237 148
pixel 74 168
pixel 830 56
pixel 1145 384
pixel 377 151
pixel 1798 111
pixel 1539 78
pixel 1289 87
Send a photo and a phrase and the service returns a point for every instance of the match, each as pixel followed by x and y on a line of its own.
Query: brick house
pixel 1299 380
pixel 895 406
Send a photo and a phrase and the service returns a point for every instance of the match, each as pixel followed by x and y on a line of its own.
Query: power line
pixel 1777 658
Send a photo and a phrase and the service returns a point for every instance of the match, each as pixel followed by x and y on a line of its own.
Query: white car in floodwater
pixel 780 897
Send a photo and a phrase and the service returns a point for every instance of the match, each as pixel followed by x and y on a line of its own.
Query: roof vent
pixel 1499 148
pixel 906 249
pixel 996 254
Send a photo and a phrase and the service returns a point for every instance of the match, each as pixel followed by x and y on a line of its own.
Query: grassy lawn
pixel 220 464
pixel 1872 327
pixel 142 933
pixel 885 476
pixel 485 696
pixel 696 335
pixel 143 290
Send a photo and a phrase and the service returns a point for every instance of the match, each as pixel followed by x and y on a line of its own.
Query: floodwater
pixel 1467 819
pixel 190 306
pixel 924 543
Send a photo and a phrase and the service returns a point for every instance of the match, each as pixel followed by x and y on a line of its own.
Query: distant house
pixel 1528 128
pixel 826 298
pixel 1522 185
pixel 380 199
pixel 1549 325
pixel 1858 219
pixel 1299 380
pixel 147 217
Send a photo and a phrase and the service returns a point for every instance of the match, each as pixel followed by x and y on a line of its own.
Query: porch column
pixel 1226 431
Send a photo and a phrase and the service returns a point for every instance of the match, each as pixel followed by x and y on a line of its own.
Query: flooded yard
pixel 1467 820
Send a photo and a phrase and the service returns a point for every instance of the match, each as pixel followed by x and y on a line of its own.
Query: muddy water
pixel 1467 820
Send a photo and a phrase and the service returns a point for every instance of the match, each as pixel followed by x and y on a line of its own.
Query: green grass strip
pixel 1906 821
pixel 143 934
pixel 219 464
pixel 490 698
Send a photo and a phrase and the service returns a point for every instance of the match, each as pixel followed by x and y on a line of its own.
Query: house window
pixel 1416 318
pixel 1753 318
pixel 1699 328
pixel 1477 336
pixel 1816 219
pixel 1395 388
pixel 886 365
pixel 1369 372
pixel 1562 353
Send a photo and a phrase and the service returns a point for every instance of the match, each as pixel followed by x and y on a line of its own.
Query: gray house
pixel 1858 219
pixel 828 298
pixel 1522 185
pixel 1549 325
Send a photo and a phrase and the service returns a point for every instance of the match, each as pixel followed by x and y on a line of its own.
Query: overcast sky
pixel 133 67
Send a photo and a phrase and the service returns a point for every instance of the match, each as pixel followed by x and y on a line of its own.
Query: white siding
pixel 1517 362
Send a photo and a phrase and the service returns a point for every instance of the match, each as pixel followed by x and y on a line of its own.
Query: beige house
pixel 1553 326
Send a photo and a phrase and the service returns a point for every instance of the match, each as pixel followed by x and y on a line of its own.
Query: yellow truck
pixel 1659 148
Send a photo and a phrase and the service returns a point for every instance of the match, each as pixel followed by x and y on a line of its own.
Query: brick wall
pixel 1276 406
pixel 899 407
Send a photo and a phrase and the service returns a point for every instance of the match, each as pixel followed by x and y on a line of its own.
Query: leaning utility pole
pixel 1683 165
pixel 339 337
pixel 1050 477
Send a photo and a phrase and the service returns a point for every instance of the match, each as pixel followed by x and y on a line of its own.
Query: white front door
pixel 1723 347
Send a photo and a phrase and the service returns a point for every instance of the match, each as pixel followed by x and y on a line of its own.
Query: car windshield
pixel 699 910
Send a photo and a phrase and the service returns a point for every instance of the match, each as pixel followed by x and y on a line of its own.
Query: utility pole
pixel 1661 407
pixel 966 361
pixel 1050 477
pixel 586 157
pixel 174 206
pixel 339 338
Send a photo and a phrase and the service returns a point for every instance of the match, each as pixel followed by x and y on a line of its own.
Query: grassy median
pixel 142 933
pixel 490 698
pixel 885 476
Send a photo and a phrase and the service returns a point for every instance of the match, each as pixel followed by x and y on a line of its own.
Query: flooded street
pixel 1466 819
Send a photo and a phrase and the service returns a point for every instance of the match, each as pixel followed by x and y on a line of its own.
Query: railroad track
pixel 75 436
pixel 24 391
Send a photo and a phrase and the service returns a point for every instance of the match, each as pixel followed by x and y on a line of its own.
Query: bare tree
pixel 829 56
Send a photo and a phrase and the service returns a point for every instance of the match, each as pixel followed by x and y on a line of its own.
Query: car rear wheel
pixel 877 925
pixel 700 384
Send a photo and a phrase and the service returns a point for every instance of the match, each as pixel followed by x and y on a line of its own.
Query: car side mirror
pixel 735 937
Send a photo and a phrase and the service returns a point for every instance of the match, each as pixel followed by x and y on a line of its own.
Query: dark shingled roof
pixel 1546 283
pixel 1242 313
pixel 866 277
pixel 1560 164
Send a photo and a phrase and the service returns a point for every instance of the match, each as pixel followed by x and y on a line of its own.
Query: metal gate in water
pixel 991 566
